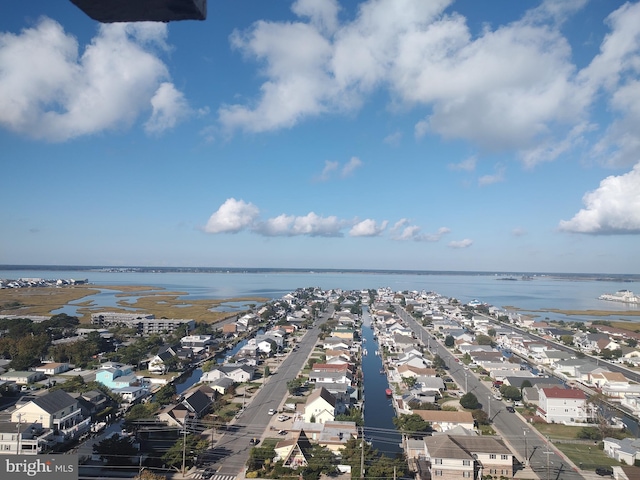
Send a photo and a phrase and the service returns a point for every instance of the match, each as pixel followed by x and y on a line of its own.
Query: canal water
pixel 378 410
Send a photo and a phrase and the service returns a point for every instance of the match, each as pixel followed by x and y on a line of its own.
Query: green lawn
pixel 586 457
pixel 556 430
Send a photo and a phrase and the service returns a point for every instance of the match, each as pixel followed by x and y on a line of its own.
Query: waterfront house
pixel 407 370
pixel 442 421
pixel 474 457
pixel 613 380
pixel 239 373
pixel 563 405
pixel 331 376
pixel 162 362
pixel 220 385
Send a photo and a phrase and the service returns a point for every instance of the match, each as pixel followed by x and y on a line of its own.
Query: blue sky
pixel 389 134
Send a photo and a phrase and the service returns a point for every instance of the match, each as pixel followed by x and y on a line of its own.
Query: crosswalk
pixel 217 476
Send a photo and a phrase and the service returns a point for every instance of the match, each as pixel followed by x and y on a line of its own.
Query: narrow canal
pixel 378 410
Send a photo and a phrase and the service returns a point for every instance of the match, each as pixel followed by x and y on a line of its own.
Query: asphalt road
pixel 544 459
pixel 231 452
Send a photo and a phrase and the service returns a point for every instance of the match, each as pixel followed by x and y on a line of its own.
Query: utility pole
pixel 184 444
pixel 526 450
pixel 489 405
pixel 362 454
pixel 547 453
pixel 466 389
pixel 18 436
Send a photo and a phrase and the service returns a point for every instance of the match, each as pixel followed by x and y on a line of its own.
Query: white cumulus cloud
pixel 169 106
pixel 403 230
pixel 509 87
pixel 368 228
pixel 461 243
pixel 612 208
pixel 53 90
pixel 232 217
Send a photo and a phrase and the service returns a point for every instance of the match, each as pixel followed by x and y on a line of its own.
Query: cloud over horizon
pixel 235 216
pixel 612 208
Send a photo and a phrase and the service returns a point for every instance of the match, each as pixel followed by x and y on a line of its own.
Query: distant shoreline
pixel 261 270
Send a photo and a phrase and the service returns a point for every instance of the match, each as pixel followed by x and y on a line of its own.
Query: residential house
pixel 28 438
pixel 53 368
pixel 332 435
pixel 197 402
pixel 407 370
pixel 442 421
pixel 239 373
pixel 56 410
pixel 474 457
pixel 563 405
pixel 613 380
pixel 116 375
pixel 162 362
pixel 21 377
pixel 626 450
pixel 294 452
pixel 320 407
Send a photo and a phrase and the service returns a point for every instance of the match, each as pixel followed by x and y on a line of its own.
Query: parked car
pixel 254 441
pixel 272 411
pixel 604 471
pixel 511 409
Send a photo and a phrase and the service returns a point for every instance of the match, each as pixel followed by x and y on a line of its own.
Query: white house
pixel 320 407
pixel 563 405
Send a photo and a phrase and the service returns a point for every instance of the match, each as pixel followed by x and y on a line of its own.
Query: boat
pixel 389 392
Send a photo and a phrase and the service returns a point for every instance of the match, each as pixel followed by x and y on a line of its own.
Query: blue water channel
pixel 378 410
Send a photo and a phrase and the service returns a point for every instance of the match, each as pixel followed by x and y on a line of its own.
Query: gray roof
pixel 197 402
pixel 54 401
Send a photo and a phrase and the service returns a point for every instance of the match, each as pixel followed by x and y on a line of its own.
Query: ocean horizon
pixel 532 293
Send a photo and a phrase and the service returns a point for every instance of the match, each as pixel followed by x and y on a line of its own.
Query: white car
pixel 272 411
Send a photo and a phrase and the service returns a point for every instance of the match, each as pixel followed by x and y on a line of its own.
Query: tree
pixel 484 340
pixel 321 460
pixel 294 385
pixel 385 467
pixel 491 332
pixel 267 371
pixel 193 445
pixel 410 381
pixel 116 450
pixel 567 339
pixel 438 362
pixel 411 425
pixel 149 475
pixel 510 392
pixel 165 395
pixel 469 401
pixel 480 416
pixel 449 341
